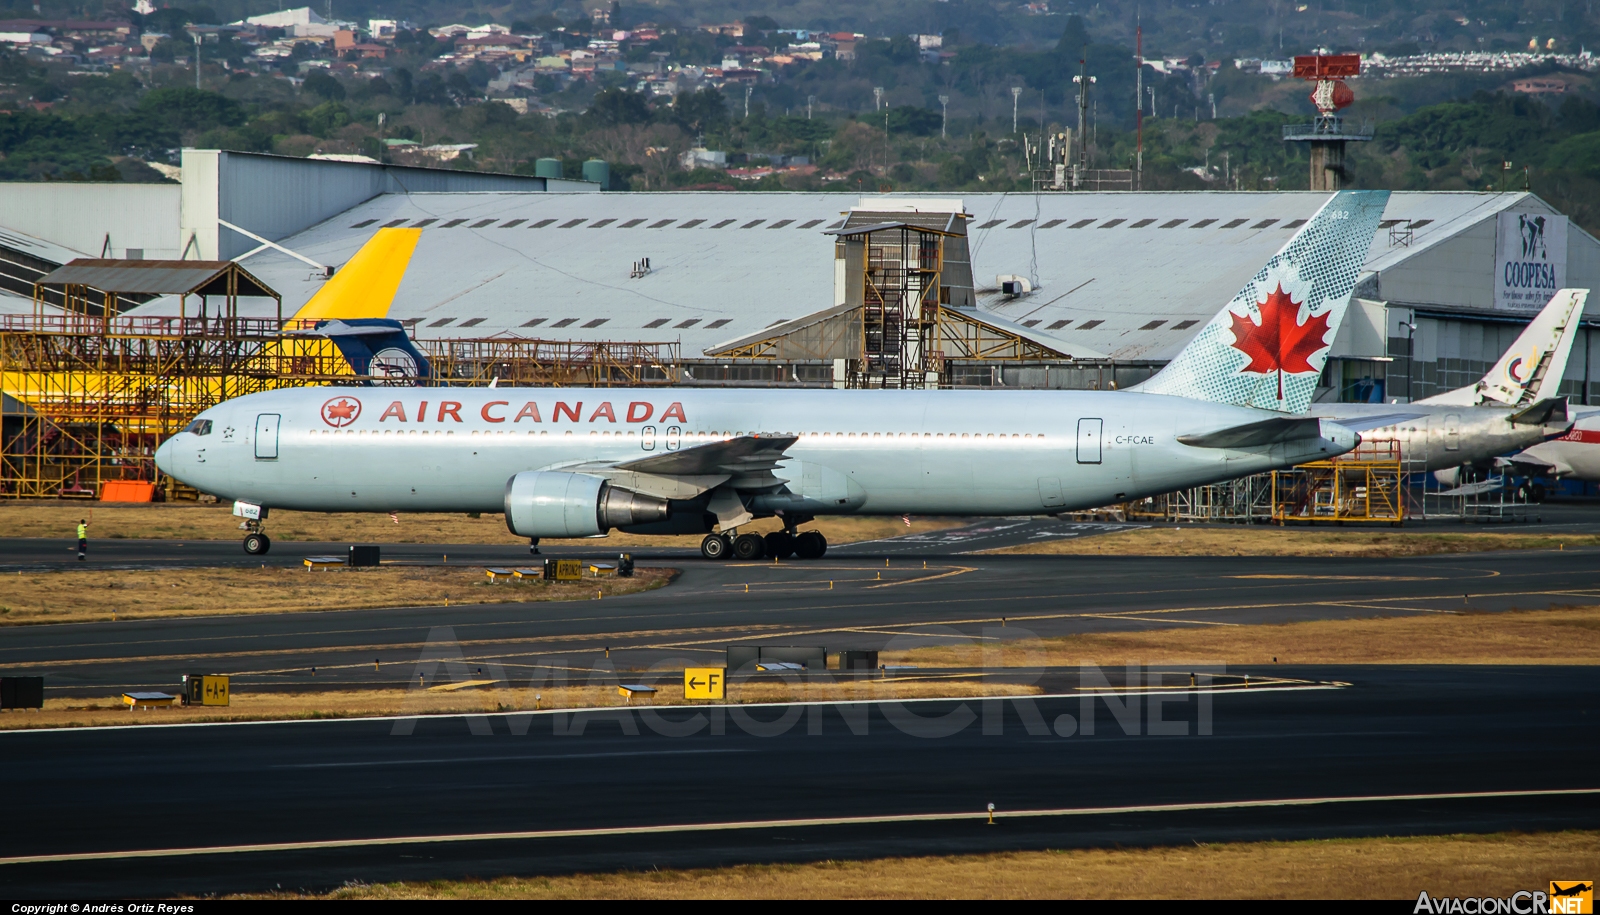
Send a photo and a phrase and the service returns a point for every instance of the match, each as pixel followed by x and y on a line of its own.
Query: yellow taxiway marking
pixel 961 570
pixel 1144 619
pixel 464 684
pixel 1349 577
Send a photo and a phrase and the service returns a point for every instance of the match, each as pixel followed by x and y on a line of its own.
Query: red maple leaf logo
pixel 341 411
pixel 1279 344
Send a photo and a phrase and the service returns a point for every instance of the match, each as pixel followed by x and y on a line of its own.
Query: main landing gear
pixel 776 545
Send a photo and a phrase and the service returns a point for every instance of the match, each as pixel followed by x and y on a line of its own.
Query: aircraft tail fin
pixel 1266 349
pixel 365 286
pixel 1535 363
pixel 378 347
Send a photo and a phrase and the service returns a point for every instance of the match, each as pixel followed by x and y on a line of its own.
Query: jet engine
pixel 543 503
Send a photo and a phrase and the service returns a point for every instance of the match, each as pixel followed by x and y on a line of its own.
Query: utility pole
pixel 944 103
pixel 1016 94
pixel 197 40
pixel 810 100
pixel 1084 81
pixel 1138 106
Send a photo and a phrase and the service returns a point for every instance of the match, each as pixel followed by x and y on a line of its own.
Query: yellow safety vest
pixel 83 532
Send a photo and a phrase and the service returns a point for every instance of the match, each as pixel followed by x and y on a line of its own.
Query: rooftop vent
pixel 752 223
pixel 1051 224
pixel 1141 223
pixel 662 223
pixel 441 322
pixel 1185 325
pixel 534 323
pixel 1057 325
pixel 720 322
pixel 601 223
pixel 808 224
pixel 689 323
pixel 1080 223
pixel 641 267
pixel 483 222
pixel 565 322
pixel 991 223
pixel 1152 325
pixel 657 322
pixel 571 222
pixel 725 222
pixel 691 223
pixel 1263 223
pixel 363 223
pixel 541 223
pixel 512 223
pixel 1112 223
pixel 631 223
pixel 780 223
pixel 1019 224
pixel 595 322
pixel 1090 325
pixel 1172 224
pixel 1202 223
pixel 421 223
pixel 395 222
pixel 1234 223
pixel 452 223
pixel 473 322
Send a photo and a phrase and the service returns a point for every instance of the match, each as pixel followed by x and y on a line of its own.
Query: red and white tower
pixel 1327 134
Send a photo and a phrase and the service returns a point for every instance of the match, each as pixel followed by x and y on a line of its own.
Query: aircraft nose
pixel 164 461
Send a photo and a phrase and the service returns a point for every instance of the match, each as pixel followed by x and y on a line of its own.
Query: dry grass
pixel 1169 540
pixel 191 521
pixel 1568 635
pixel 491 698
pixel 76 596
pixel 1382 868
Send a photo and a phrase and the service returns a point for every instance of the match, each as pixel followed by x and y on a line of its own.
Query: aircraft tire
pixel 257 544
pixel 810 545
pixel 749 546
pixel 715 546
pixel 780 544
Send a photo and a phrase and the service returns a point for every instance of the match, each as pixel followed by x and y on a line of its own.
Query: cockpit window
pixel 200 427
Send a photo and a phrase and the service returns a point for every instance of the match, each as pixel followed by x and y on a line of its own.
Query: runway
pixel 883 602
pixel 1380 756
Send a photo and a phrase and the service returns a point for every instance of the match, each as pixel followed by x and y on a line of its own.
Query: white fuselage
pixel 1576 455
pixel 1439 437
pixel 380 449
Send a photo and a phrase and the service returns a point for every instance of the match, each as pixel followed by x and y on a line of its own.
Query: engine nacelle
pixel 544 503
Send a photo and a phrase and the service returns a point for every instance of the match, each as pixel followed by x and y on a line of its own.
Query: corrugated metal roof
pixel 135 277
pixel 1106 265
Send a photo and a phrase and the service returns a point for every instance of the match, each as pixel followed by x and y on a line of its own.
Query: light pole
pixel 197 60
pixel 1016 94
pixel 1411 336
pixel 944 104
pixel 810 100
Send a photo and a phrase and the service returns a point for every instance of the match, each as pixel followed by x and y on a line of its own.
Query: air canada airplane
pixel 578 462
pixel 1512 407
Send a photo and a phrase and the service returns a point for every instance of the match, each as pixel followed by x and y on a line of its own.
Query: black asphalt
pixel 1393 731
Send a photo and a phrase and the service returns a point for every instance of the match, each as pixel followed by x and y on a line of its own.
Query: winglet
pixel 1266 349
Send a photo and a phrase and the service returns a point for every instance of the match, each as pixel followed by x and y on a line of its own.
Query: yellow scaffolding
pixel 1365 486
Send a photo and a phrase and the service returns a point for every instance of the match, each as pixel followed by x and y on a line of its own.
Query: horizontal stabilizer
pixel 1364 423
pixel 1265 432
pixel 1553 410
pixel 1476 489
pixel 744 454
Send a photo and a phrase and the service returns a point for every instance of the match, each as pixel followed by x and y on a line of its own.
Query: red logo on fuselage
pixel 339 412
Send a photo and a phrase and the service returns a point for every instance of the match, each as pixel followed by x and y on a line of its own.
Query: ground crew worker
pixel 83 538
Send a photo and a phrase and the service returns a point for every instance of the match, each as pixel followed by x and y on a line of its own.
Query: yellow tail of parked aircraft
pixel 366 286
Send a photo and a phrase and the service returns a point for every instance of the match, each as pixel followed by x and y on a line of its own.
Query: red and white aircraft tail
pixel 1266 349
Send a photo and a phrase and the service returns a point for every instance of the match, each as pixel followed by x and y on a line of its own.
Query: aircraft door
pixel 267 437
pixel 1050 492
pixel 1452 432
pixel 1089 433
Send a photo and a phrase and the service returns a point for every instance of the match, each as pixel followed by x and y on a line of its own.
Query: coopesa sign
pixel 1530 260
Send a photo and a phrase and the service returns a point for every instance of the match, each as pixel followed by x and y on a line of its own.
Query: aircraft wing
pixel 1264 432
pixel 745 454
